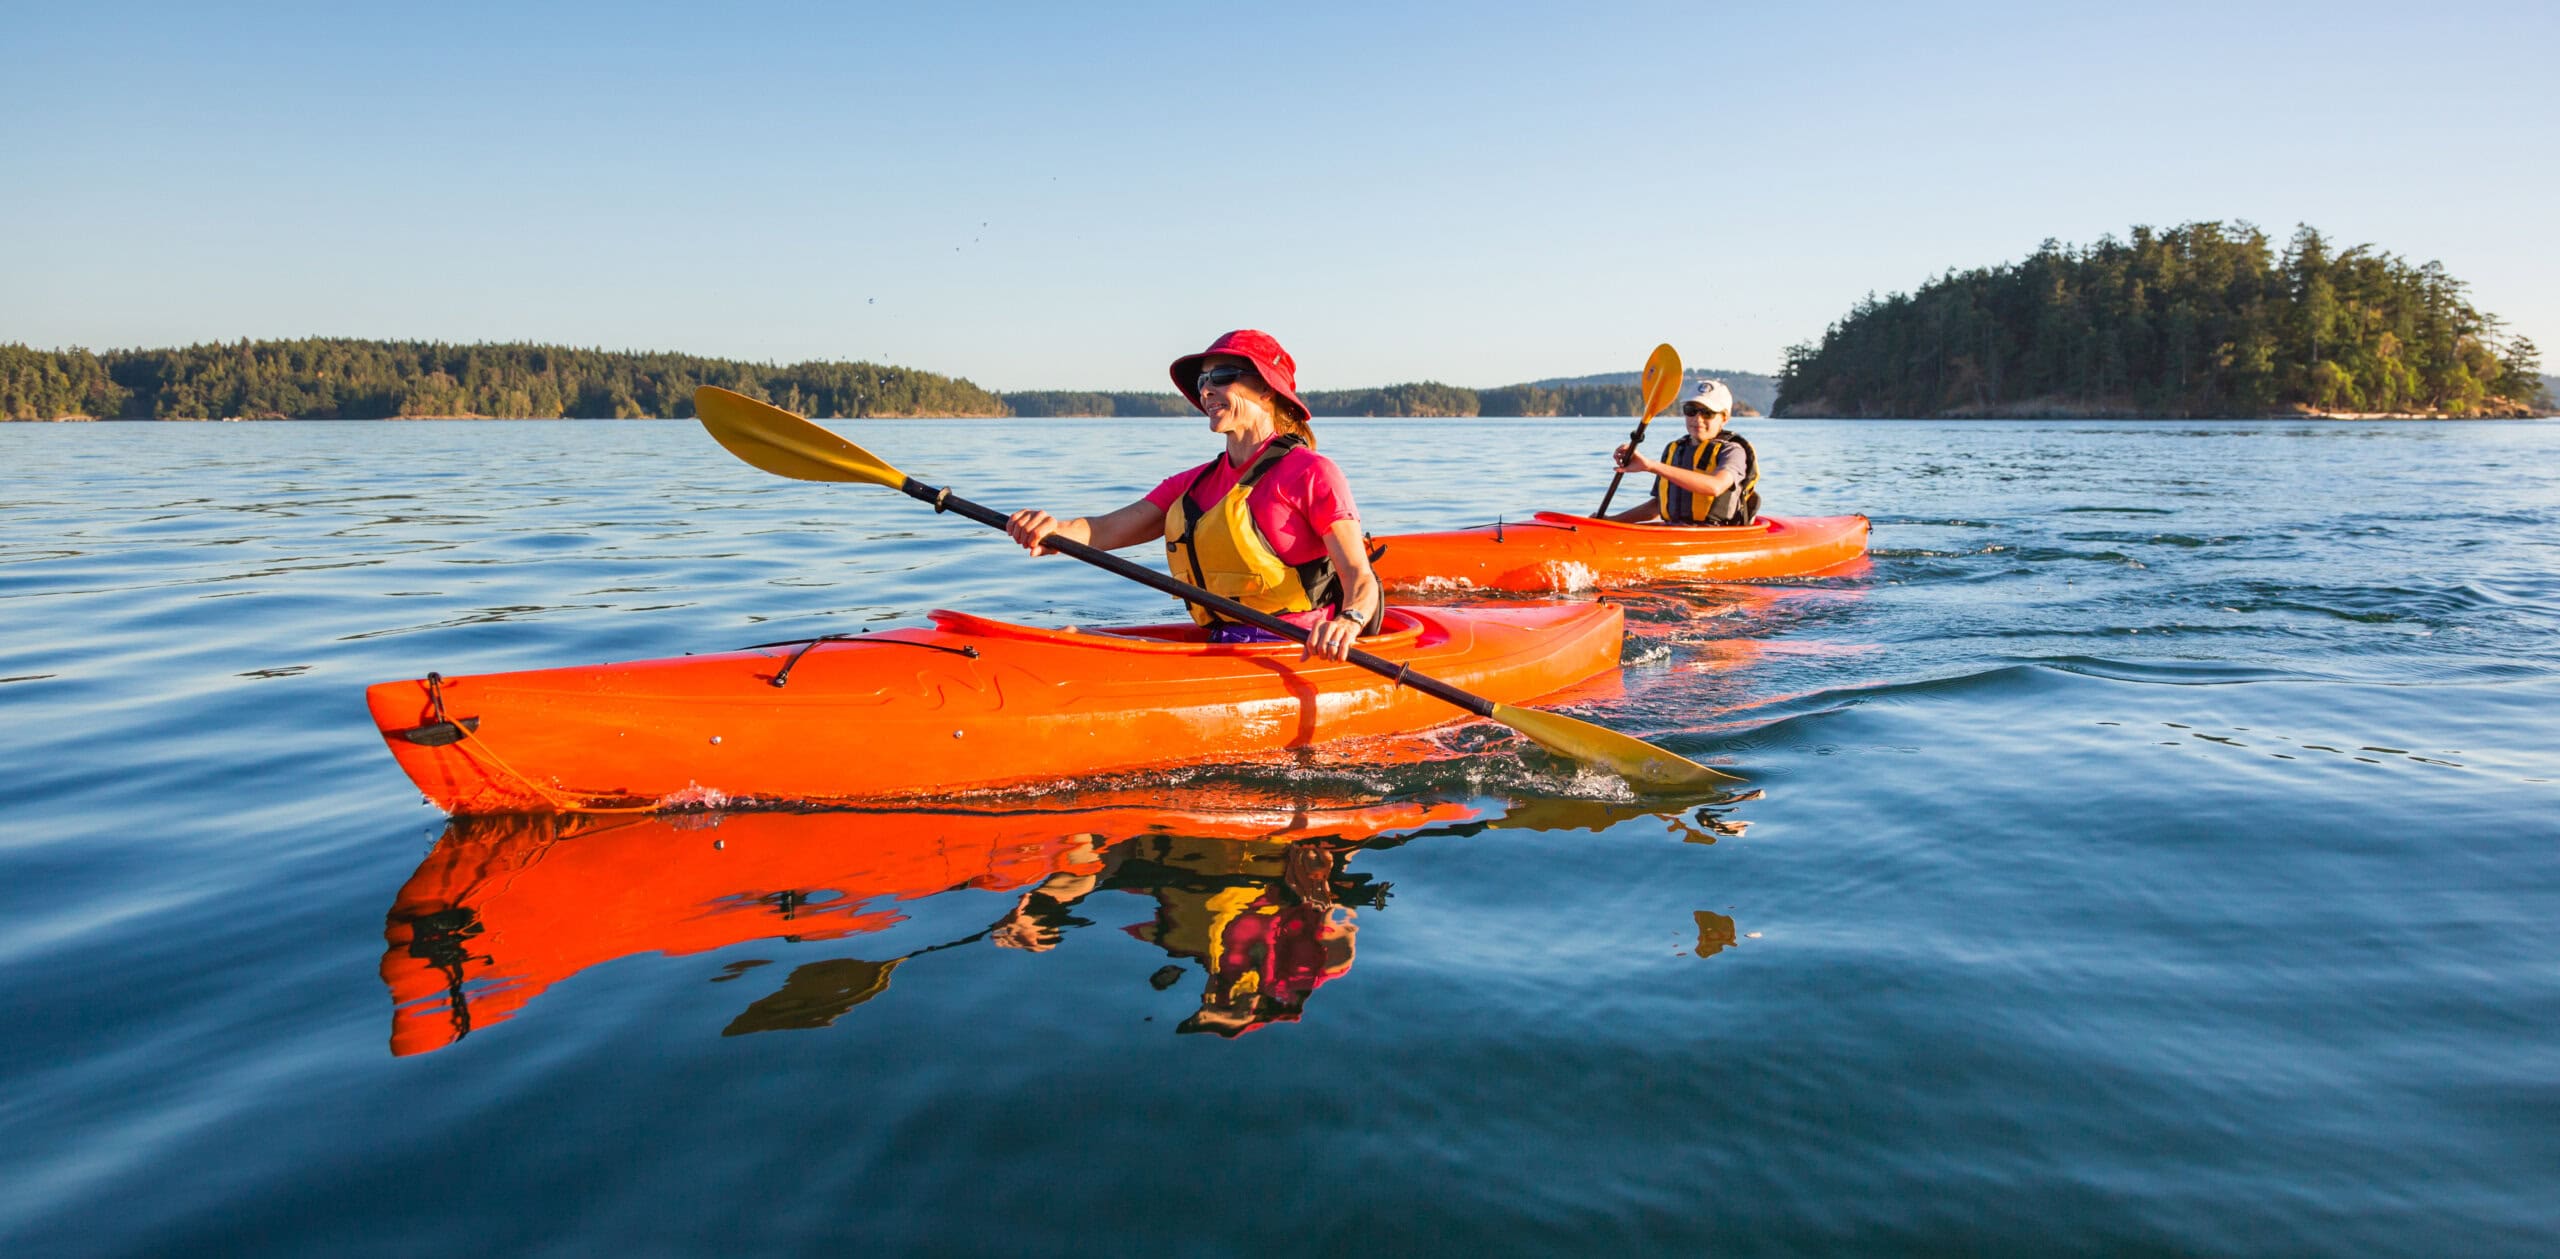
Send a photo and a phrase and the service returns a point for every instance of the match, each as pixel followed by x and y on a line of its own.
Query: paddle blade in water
pixel 1661 380
pixel 1647 767
pixel 784 444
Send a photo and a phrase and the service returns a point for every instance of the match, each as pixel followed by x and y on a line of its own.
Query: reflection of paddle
pixel 1661 381
pixel 786 445
pixel 819 993
pixel 815 995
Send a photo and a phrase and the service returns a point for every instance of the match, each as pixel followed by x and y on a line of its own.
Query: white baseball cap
pixel 1711 395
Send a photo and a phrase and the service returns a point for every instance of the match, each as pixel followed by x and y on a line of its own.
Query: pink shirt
pixel 1293 504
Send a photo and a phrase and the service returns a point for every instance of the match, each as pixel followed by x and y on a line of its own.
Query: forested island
pixel 2201 320
pixel 334 378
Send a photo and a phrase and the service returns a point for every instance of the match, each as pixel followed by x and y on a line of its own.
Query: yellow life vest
pixel 1738 505
pixel 1223 551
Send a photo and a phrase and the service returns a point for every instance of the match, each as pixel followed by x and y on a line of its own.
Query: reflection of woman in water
pixel 1267 942
pixel 504 908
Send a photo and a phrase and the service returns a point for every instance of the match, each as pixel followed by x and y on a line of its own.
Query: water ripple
pixel 2159 862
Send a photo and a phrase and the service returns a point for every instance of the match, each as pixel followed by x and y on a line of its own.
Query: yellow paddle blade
pixel 784 444
pixel 1648 767
pixel 1661 380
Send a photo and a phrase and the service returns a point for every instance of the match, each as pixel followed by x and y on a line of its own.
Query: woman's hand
pixel 1029 526
pixel 1334 639
pixel 1350 554
pixel 1018 930
pixel 1629 459
pixel 1038 918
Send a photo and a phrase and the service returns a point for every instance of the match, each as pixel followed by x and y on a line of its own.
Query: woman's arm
pixel 1138 522
pixel 1361 594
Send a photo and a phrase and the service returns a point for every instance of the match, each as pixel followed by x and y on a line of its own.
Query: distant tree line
pixel 1418 398
pixel 1561 400
pixel 1424 398
pixel 336 378
pixel 1752 391
pixel 2204 319
pixel 46 384
pixel 1066 402
pixel 346 379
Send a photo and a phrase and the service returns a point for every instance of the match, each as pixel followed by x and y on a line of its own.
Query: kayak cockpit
pixel 1401 629
pixel 1762 526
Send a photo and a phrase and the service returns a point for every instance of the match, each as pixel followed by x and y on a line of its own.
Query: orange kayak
pixel 504 908
pixel 966 703
pixel 1554 551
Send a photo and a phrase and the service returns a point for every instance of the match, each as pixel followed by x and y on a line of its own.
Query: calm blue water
pixel 2157 848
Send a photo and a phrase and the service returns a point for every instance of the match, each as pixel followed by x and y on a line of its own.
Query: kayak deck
pixel 965 703
pixel 1556 551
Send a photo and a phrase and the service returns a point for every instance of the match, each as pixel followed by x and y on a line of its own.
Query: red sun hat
pixel 1273 364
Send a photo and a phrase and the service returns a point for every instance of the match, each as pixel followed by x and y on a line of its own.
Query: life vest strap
pixel 1247 557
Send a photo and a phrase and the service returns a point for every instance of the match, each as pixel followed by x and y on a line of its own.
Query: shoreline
pixel 2065 407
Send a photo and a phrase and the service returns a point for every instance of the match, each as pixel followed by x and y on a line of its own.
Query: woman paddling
pixel 1269 523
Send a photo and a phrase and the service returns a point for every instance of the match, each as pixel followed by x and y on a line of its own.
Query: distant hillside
pixel 2204 319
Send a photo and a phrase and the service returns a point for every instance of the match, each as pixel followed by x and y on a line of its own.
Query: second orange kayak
pixel 1554 551
pixel 966 703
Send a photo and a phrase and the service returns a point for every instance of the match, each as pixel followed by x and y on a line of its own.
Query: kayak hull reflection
pixel 965 703
pixel 506 907
pixel 1555 551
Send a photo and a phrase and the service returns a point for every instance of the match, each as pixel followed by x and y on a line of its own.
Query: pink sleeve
pixel 1162 495
pixel 1326 494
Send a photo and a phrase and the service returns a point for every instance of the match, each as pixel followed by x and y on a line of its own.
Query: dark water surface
pixel 2158 848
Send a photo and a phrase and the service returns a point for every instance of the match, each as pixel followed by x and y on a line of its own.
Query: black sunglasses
pixel 1222 376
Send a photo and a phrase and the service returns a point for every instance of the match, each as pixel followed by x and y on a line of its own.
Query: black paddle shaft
pixel 1635 444
pixel 945 500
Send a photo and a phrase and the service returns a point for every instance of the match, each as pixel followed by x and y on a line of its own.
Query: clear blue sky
pixel 1065 195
